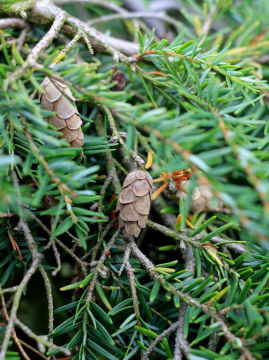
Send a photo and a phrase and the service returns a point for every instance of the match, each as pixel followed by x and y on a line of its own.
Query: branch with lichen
pixel 47 13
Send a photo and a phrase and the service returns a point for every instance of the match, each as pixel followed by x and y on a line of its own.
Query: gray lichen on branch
pixel 45 14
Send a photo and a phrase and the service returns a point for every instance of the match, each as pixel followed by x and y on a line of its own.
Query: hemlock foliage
pixel 198 100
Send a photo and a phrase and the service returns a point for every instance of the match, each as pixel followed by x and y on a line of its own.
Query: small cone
pixel 202 198
pixel 134 202
pixel 58 98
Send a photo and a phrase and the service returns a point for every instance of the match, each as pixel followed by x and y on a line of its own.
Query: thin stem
pixel 15 305
pixel 40 47
pixel 131 277
pixel 33 349
pixel 57 258
pixel 140 162
pixel 159 338
pixel 14 335
pixel 40 339
pixel 181 344
pixel 111 170
pixel 125 259
pixel 173 234
pixel 49 297
pixel 58 241
pixel 7 290
pixel 99 266
pixel 13 22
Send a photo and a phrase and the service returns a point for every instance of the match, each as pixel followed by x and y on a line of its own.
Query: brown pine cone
pixel 58 98
pixel 134 202
pixel 203 199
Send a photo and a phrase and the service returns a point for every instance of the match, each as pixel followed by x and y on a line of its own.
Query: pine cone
pixel 59 98
pixel 203 199
pixel 134 202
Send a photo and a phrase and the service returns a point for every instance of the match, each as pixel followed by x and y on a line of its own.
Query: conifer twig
pixel 125 259
pixel 115 132
pixel 149 266
pixel 111 170
pixel 99 266
pixel 15 304
pixel 33 349
pixel 40 46
pixel 158 339
pixel 7 290
pixel 49 299
pixel 13 22
pixel 46 13
pixel 181 344
pixel 14 335
pixel 40 339
pixel 63 246
pixel 131 277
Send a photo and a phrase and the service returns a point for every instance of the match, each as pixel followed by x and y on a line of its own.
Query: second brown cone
pixel 134 202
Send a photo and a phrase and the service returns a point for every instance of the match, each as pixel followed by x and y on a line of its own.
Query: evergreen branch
pixel 192 60
pixel 116 47
pixel 183 106
pixel 149 266
pixel 247 167
pixel 63 188
pixel 173 234
pixel 32 58
pixel 13 22
pixel 125 259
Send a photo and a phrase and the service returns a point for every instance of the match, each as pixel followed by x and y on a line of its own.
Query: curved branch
pixel 16 302
pixel 159 338
pixel 45 14
pixel 13 22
